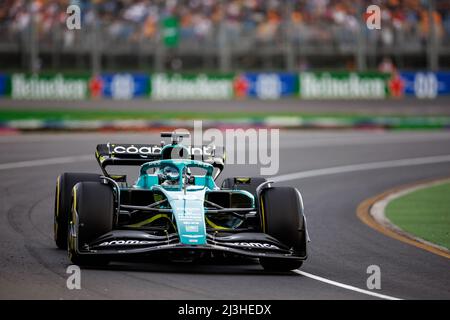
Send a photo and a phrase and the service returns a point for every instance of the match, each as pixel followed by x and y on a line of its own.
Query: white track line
pixel 361 167
pixel 345 286
pixel 44 162
pixel 352 168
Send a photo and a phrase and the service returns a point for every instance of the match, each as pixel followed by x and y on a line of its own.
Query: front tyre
pixel 63 194
pixel 92 217
pixel 281 215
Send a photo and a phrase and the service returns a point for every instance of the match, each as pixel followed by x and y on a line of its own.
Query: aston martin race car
pixel 174 208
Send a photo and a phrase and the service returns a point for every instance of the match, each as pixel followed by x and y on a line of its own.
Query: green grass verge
pixel 72 114
pixel 64 114
pixel 394 122
pixel 424 213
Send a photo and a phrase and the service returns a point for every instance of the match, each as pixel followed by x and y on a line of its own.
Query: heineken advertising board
pixel 55 87
pixel 65 87
pixel 259 85
pixel 343 85
pixel 191 87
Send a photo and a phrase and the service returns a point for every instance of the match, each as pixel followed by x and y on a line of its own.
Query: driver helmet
pixel 169 175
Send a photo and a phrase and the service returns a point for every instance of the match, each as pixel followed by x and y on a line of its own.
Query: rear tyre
pixel 248 184
pixel 282 217
pixel 93 206
pixel 64 185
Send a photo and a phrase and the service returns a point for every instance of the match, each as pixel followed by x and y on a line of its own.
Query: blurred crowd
pixel 266 21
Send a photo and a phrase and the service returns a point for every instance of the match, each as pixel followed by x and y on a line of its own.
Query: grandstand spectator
pixel 386 65
pixel 332 22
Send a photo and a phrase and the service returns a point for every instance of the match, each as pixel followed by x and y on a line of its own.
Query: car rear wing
pixel 120 154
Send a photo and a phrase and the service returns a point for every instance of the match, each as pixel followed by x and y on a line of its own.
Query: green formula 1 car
pixel 175 208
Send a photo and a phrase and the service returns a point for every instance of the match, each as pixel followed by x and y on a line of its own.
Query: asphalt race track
pixel 342 246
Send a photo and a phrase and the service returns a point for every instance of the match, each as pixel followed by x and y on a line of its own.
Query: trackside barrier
pixel 246 85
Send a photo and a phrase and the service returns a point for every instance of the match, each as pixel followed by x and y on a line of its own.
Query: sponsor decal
pixel 152 150
pixel 189 215
pixel 125 86
pixel 241 86
pixel 96 87
pixel 4 85
pixel 122 86
pixel 396 86
pixel 267 86
pixel 125 242
pixel 48 87
pixel 193 228
pixel 142 150
pixel 204 150
pixel 426 85
pixel 253 245
pixel 198 87
pixel 334 85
